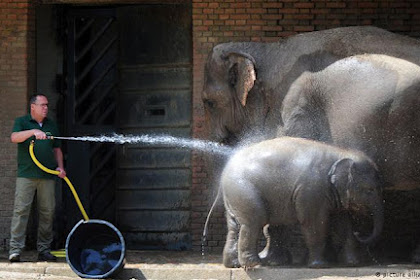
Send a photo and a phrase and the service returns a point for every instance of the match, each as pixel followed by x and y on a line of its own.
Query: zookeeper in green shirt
pixel 31 179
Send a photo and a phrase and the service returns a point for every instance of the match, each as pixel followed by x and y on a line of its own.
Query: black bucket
pixel 95 249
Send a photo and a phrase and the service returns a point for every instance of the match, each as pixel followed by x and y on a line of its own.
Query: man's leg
pixel 24 195
pixel 46 206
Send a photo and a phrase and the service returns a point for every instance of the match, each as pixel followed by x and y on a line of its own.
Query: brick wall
pixel 16 79
pixel 220 21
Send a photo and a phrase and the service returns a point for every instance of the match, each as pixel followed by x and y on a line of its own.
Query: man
pixel 31 179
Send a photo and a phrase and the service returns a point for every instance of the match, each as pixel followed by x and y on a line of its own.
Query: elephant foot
pixel 274 257
pixel 319 264
pixel 351 260
pixel 350 256
pixel 352 263
pixel 250 262
pixel 231 262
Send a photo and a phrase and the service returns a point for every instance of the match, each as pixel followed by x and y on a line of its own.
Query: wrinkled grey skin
pixel 245 85
pixel 366 102
pixel 288 180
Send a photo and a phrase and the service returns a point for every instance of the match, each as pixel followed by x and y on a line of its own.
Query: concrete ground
pixel 192 265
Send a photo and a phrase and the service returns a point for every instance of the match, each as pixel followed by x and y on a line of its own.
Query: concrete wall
pixel 214 22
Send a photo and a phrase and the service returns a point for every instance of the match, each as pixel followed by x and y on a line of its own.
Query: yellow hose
pixel 55 172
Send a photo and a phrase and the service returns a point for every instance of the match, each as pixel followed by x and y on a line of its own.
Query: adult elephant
pixel 246 83
pixel 366 102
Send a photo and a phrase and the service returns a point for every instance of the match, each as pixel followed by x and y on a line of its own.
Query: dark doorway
pixel 127 69
pixel 153 190
pixel 91 57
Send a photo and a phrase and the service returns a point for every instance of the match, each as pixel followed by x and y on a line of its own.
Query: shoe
pixel 15 257
pixel 47 256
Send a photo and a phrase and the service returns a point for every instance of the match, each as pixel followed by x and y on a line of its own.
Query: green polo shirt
pixel 43 149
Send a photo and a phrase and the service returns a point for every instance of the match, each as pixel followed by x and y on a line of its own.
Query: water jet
pixel 168 140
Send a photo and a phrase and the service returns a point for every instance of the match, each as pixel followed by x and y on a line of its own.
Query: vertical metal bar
pixel 71 68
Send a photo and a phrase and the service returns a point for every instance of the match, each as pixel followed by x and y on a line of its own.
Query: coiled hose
pixel 55 172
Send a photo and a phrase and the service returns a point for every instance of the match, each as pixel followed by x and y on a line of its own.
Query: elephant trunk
pixel 378 222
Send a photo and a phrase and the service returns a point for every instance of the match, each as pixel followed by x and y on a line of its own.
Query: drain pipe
pixel 55 172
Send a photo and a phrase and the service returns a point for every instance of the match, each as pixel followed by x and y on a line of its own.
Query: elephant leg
pixel 248 244
pixel 230 251
pixel 316 248
pixel 316 241
pixel 249 211
pixel 350 252
pixel 274 253
pixel 315 232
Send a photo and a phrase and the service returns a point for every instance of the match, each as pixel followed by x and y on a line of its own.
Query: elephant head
pixel 230 75
pixel 359 191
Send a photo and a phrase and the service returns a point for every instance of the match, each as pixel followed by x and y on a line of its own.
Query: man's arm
pixel 21 136
pixel 58 154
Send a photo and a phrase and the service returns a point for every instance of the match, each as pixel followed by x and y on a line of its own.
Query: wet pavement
pixel 192 265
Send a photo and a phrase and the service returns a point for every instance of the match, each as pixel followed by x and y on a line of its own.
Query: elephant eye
pixel 209 104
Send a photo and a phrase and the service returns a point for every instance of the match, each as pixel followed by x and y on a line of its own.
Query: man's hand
pixel 21 136
pixel 62 173
pixel 39 134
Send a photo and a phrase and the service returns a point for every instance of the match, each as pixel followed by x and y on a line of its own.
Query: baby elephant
pixel 287 180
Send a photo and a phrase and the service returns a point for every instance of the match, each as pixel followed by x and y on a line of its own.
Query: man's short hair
pixel 34 96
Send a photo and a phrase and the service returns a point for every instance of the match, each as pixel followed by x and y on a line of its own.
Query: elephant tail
pixel 205 231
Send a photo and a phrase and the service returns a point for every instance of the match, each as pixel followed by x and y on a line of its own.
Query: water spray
pixel 202 145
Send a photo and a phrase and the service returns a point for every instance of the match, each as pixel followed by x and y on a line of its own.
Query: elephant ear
pixel 242 74
pixel 341 176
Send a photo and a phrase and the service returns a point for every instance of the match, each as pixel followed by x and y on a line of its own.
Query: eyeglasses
pixel 42 105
